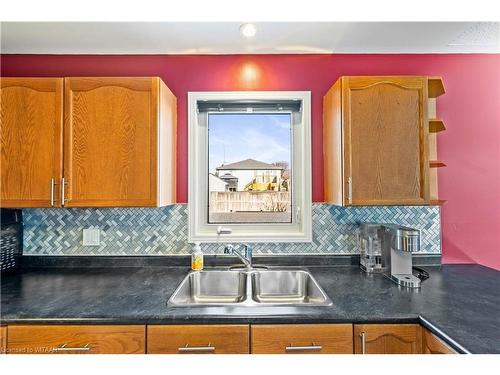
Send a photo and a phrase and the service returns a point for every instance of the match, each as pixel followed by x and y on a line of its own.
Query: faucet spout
pixel 246 258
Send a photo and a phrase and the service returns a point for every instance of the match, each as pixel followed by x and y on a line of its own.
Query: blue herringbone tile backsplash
pixel 163 231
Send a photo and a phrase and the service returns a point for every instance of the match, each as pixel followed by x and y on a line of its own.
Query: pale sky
pixel 263 137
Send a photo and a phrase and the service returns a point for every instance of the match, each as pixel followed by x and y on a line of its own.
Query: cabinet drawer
pixel 198 339
pixel 3 339
pixel 302 338
pixel 75 339
pixel 434 345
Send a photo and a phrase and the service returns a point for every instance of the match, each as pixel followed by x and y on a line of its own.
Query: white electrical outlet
pixel 91 237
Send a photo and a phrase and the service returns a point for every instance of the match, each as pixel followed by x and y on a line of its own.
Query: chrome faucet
pixel 246 258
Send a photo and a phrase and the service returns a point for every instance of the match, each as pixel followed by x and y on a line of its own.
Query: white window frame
pixel 300 230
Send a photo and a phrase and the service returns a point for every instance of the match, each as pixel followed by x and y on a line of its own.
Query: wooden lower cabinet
pixel 221 339
pixel 3 339
pixel 433 345
pixel 387 339
pixel 198 339
pixel 302 338
pixel 76 339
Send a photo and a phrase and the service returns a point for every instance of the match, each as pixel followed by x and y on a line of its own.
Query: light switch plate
pixel 91 237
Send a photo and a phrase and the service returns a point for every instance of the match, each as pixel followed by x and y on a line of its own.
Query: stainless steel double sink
pixel 249 287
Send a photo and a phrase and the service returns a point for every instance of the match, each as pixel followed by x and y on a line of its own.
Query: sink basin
pixel 249 287
pixel 296 287
pixel 211 287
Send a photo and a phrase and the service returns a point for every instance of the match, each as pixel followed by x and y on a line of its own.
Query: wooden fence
pixel 249 201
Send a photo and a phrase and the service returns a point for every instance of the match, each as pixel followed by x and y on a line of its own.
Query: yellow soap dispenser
pixel 197 258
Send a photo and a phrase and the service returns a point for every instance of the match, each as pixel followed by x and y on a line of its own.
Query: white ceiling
pixel 272 37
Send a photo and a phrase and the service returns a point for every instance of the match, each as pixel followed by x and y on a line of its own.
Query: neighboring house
pixel 251 175
pixel 216 184
pixel 231 181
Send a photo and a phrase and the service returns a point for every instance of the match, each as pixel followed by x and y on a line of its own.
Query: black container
pixel 11 239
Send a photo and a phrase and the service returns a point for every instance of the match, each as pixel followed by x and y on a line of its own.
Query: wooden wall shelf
pixel 437 202
pixel 436 164
pixel 436 126
pixel 435 87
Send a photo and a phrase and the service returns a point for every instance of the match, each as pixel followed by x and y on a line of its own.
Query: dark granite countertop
pixel 460 303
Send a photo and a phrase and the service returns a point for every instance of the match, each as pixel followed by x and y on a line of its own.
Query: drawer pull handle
pixel 193 349
pixel 64 348
pixel 312 347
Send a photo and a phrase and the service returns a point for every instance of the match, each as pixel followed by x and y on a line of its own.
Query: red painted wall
pixel 470 108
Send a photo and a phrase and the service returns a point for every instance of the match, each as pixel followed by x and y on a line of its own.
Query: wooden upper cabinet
pixel 118 149
pixel 31 140
pixel 376 141
pixel 387 339
pixel 119 142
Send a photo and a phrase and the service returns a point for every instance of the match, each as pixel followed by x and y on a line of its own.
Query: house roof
pixel 227 176
pixel 250 164
pixel 218 178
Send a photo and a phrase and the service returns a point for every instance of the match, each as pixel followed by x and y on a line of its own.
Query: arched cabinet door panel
pixel 376 141
pixel 31 141
pixel 387 339
pixel 119 142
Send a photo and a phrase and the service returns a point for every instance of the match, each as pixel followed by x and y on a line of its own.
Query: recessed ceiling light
pixel 248 30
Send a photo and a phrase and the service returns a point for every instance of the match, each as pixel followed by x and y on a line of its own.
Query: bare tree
pixel 273 204
pixel 282 164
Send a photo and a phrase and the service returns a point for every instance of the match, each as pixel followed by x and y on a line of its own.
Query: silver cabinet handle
pixel 363 342
pixel 349 182
pixel 312 348
pixel 196 349
pixel 64 348
pixel 52 184
pixel 62 192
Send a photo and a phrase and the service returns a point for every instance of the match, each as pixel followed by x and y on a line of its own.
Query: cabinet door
pixel 386 140
pixel 387 339
pixel 76 339
pixel 198 339
pixel 302 339
pixel 110 142
pixel 31 137
pixel 434 345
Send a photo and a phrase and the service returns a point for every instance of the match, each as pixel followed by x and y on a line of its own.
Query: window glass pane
pixel 249 163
